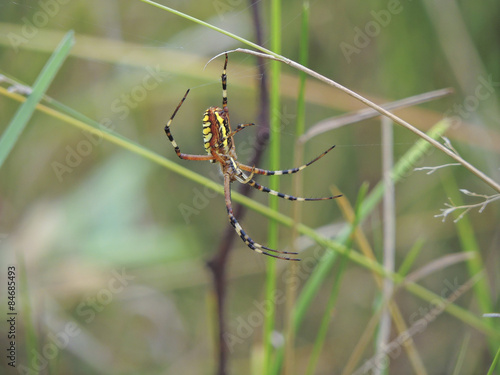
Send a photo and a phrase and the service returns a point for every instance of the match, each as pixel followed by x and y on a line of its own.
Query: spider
pixel 219 146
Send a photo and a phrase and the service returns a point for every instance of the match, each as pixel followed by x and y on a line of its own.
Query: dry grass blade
pixel 439 264
pixel 397 316
pixel 367 113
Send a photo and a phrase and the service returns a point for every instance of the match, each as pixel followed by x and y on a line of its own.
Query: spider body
pixel 219 147
pixel 216 129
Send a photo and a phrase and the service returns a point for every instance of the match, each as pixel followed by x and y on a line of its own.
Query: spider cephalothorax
pixel 219 146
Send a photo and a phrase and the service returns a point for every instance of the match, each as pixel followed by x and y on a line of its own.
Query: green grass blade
pixel 297 180
pixel 411 257
pixel 494 363
pixel 274 164
pixel 42 83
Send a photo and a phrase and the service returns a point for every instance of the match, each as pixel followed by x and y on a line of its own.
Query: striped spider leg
pixel 219 147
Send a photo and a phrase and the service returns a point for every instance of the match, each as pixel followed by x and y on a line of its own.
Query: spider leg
pixel 174 143
pixel 244 237
pixel 224 87
pixel 265 189
pixel 285 171
pixel 239 128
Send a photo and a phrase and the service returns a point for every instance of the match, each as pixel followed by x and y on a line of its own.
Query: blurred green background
pixel 104 234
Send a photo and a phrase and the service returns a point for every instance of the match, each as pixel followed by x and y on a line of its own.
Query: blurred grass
pixel 111 48
pixel 298 182
pixel 337 282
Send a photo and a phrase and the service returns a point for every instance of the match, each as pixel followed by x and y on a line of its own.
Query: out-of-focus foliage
pixel 117 245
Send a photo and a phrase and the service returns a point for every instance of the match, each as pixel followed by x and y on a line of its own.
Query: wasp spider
pixel 219 147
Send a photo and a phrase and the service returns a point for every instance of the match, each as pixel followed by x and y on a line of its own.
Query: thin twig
pixel 389 234
pixel 434 169
pixel 396 119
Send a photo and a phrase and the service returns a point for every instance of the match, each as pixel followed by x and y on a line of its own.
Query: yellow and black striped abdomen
pixel 215 132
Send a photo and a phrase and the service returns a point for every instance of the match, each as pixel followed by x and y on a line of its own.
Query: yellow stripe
pixel 223 128
pixel 221 123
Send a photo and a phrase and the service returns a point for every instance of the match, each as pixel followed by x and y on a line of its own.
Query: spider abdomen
pixel 216 131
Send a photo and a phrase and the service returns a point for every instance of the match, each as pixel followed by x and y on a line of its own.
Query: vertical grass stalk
pixel 389 233
pixel 298 156
pixel 274 162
